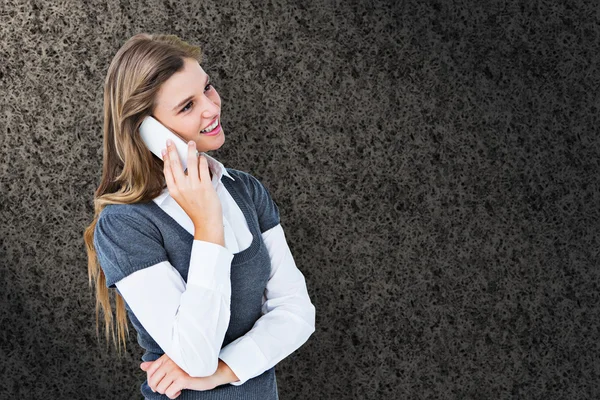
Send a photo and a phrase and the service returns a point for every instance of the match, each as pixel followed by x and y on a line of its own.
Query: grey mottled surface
pixel 436 167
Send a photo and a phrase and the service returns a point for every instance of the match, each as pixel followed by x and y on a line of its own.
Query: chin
pixel 210 143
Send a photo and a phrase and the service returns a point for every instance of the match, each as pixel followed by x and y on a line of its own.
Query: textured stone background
pixel 436 167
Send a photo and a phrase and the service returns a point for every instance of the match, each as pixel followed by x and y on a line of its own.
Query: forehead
pixel 182 83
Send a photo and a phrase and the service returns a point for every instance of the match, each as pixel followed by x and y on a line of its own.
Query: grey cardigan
pixel 129 237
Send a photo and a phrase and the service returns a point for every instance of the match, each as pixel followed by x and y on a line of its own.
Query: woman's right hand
pixel 194 192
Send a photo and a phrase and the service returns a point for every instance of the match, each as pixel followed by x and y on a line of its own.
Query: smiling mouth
pixel 211 126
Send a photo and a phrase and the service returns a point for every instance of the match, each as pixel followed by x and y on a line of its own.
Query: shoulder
pixel 126 240
pixel 139 211
pixel 247 179
pixel 239 174
pixel 118 218
pixel 266 208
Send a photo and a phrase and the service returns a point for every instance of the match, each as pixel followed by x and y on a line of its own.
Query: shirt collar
pixel 217 168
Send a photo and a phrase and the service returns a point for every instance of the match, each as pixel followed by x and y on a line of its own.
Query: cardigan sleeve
pixel 125 244
pixel 266 208
pixel 187 320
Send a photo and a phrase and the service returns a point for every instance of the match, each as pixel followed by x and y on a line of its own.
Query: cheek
pixel 214 97
pixel 191 126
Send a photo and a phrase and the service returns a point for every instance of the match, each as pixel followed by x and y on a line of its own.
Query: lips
pixel 214 132
pixel 209 124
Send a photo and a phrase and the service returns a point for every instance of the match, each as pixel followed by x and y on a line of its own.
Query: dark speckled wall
pixel 436 167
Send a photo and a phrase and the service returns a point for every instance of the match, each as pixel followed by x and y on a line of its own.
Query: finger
pixel 192 164
pixel 156 379
pixel 145 365
pixel 159 373
pixel 176 167
pixel 168 173
pixel 153 368
pixel 204 174
pixel 174 390
pixel 164 384
pixel 176 387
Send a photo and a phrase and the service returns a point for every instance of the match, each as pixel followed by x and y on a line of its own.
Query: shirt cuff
pixel 244 358
pixel 210 266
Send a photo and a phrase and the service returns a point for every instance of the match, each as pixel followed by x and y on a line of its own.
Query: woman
pixel 198 258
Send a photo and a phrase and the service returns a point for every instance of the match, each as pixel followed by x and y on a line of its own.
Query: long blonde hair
pixel 130 172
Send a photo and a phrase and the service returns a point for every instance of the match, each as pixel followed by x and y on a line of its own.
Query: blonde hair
pixel 130 172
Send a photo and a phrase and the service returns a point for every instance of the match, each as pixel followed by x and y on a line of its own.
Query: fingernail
pixel 191 143
pixel 163 152
pixel 169 142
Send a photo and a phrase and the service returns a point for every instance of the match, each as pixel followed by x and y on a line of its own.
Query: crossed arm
pixel 189 321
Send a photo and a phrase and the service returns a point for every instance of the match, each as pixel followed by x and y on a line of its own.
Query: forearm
pixel 225 373
pixel 222 376
pixel 188 321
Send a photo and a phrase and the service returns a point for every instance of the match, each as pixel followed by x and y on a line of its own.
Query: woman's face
pixel 187 104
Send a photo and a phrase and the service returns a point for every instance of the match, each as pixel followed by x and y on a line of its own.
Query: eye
pixel 186 106
pixel 184 109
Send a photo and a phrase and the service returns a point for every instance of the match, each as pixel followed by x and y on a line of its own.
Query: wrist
pixel 213 236
pixel 226 373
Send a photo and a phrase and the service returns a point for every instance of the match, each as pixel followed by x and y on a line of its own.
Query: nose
pixel 209 109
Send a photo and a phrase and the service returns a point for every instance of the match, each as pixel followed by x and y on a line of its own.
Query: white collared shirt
pixel 288 316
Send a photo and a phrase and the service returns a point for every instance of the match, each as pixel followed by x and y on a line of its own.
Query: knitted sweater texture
pixel 130 237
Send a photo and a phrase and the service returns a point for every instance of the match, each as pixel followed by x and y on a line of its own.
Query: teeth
pixel 211 127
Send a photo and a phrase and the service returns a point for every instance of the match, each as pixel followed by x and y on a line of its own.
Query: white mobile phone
pixel 155 135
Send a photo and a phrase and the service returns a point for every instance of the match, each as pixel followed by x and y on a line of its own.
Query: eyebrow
pixel 189 97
